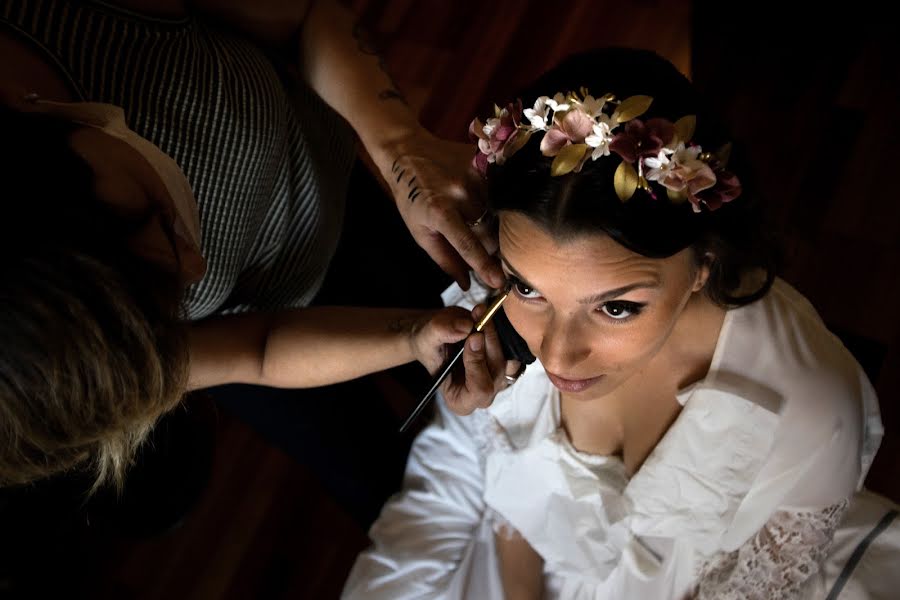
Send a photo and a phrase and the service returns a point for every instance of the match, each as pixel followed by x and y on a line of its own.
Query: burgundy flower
pixel 726 189
pixel 480 162
pixel 641 140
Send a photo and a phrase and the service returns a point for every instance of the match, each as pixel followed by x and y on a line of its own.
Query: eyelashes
pixel 621 310
pixel 615 310
pixel 520 289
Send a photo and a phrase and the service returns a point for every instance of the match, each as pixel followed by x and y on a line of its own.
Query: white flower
pixel 557 102
pixel 659 167
pixel 600 137
pixel 484 143
pixel 538 114
pixel 671 159
pixel 600 151
pixel 491 125
pixel 686 156
pixel 681 171
pixel 593 106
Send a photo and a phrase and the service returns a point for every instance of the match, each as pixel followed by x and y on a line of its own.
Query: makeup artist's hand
pixel 484 372
pixel 482 375
pixel 441 197
pixel 432 335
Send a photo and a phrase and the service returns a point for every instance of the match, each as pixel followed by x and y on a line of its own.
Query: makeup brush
pixel 448 367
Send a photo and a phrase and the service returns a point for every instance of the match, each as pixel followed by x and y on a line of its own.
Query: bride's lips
pixel 572 385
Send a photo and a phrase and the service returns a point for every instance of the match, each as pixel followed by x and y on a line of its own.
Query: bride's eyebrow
pixel 595 299
pixel 620 291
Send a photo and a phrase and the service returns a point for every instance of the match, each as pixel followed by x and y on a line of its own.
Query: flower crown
pixel 578 127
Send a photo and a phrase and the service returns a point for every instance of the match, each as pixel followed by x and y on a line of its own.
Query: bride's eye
pixel 620 309
pixel 526 292
pixel 522 290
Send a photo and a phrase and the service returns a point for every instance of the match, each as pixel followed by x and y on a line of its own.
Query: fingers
pixel 484 369
pixel 436 217
pixel 487 237
pixel 446 257
pixel 451 325
pixel 494 351
pixel 477 388
pixel 452 226
pixel 513 369
pixel 436 331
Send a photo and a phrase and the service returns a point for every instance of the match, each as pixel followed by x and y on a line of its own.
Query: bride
pixel 690 427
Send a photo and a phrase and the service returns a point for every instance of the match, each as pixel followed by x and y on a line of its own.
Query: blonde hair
pixel 94 349
pixel 84 376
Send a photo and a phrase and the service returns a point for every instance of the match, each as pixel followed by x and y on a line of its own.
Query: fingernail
pixel 475 343
pixel 462 325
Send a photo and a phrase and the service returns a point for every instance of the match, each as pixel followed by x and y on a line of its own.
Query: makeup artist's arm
pixel 433 184
pixel 317 346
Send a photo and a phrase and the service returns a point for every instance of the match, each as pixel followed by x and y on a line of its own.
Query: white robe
pixel 739 498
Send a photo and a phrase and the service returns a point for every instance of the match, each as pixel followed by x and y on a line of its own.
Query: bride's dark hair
pixel 732 240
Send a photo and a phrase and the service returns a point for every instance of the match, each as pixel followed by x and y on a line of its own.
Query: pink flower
pixel 694 179
pixel 685 171
pixel 640 140
pixel 572 128
pixel 494 135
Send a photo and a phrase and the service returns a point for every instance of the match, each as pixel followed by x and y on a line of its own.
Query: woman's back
pixel 271 208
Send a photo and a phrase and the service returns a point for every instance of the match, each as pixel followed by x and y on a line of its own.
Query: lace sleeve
pixel 774 563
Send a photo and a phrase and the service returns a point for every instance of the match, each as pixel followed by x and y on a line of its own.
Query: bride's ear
pixel 701 273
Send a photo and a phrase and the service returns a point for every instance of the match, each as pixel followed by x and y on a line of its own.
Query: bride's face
pixel 592 311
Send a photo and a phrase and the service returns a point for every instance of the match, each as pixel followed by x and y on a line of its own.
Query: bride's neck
pixel 693 341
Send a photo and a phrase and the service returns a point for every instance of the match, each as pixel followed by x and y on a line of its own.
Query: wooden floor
pixel 820 122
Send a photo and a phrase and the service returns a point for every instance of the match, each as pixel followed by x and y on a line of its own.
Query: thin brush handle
pixel 448 367
pixel 433 390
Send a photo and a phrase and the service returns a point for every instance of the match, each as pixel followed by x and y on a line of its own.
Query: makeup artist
pixel 172 200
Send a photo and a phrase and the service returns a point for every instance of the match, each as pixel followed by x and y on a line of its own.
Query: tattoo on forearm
pixel 402 325
pixel 366 44
pixel 414 190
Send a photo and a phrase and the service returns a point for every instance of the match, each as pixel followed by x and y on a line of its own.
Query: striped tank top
pixel 267 159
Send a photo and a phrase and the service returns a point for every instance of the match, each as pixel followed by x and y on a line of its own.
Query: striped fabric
pixel 266 158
